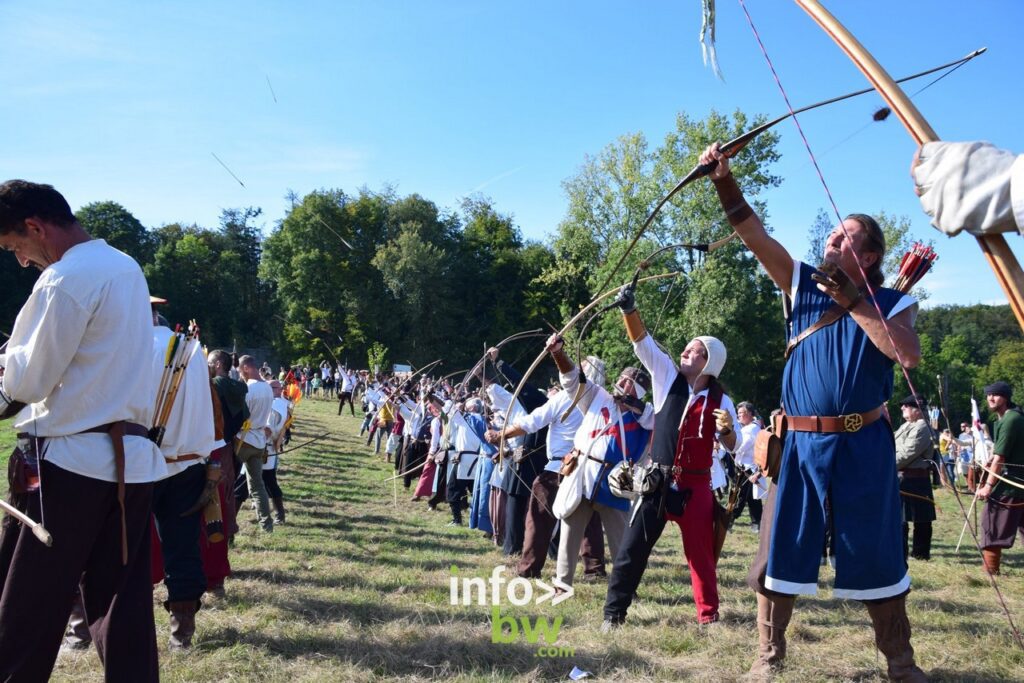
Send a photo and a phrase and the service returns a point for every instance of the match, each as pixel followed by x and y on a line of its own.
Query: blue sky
pixel 128 100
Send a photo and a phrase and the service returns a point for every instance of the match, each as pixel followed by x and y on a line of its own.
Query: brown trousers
pixel 540 526
pixel 39 583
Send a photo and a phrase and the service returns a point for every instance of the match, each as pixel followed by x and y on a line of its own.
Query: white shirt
pixel 413 415
pixel 190 427
pixel 501 400
pixel 435 435
pixel 560 434
pixel 79 357
pixel 663 374
pixel 465 439
pixel 592 436
pixel 374 398
pixel 743 452
pixel 348 382
pixel 260 399
pixel 278 416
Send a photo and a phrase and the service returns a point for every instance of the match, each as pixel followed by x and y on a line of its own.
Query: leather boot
pixel 922 548
pixel 278 510
pixel 892 637
pixel 773 614
pixel 77 637
pixel 183 623
pixel 991 557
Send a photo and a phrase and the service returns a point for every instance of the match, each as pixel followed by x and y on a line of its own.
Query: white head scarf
pixel 716 356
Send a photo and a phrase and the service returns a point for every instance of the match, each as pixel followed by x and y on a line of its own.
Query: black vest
pixel 666 422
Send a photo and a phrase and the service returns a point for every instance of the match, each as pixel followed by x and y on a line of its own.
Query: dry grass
pixel 355 588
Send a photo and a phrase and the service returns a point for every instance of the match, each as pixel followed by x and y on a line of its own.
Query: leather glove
pixel 626 299
pixel 630 403
pixel 834 281
pixel 723 421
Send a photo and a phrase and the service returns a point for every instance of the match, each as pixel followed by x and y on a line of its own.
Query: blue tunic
pixel 479 506
pixel 837 371
pixel 636 442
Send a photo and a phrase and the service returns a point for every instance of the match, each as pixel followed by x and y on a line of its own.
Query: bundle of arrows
pixel 180 348
pixel 913 266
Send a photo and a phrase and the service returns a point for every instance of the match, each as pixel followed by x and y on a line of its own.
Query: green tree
pixel 1006 364
pixel 377 357
pixel 816 236
pixel 725 294
pixel 112 222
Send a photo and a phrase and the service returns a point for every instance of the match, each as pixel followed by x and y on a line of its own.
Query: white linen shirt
pixel 260 398
pixel 278 416
pixel 663 374
pixel 560 434
pixel 190 426
pixel 79 357
pixel 743 452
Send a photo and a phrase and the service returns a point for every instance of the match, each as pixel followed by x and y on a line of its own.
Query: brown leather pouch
pixel 23 467
pixel 768 447
pixel 569 463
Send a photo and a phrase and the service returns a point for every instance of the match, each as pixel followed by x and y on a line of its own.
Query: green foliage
pixel 964 348
pixel 816 236
pixel 112 222
pixel 212 276
pixel 377 357
pixel 609 199
pixel 1006 364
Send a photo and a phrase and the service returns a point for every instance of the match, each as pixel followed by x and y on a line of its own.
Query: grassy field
pixel 356 588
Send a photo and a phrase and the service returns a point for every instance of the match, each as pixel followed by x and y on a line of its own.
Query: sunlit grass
pixel 355 588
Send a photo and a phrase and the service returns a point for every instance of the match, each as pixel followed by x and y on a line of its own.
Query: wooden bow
pixel 1001 259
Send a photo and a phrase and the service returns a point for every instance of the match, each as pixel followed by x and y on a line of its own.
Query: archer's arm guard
pixel 634 326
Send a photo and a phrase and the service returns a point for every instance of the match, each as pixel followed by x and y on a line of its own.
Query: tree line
pixel 375 277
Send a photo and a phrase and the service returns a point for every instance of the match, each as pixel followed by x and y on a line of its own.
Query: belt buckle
pixel 852 422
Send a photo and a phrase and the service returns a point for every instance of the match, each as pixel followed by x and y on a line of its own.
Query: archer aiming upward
pixel 837 378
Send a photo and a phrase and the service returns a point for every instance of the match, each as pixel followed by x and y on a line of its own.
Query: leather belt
pixel 916 473
pixel 117 431
pixel 843 424
pixel 184 458
pixel 676 470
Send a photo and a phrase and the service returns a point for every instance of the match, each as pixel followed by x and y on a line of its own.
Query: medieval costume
pixel 87 317
pixel 607 435
pixel 187 441
pixel 253 449
pixel 682 452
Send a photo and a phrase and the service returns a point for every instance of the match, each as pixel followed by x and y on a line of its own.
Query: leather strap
pixel 183 458
pixel 831 315
pixel 833 425
pixel 916 473
pixel 676 470
pixel 117 431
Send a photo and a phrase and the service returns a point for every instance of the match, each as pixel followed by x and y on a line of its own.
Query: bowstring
pixel 871 290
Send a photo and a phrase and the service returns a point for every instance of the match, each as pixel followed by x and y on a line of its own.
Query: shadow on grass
pixel 436 657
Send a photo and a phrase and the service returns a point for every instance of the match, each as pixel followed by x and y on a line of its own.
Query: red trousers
pixel 696 527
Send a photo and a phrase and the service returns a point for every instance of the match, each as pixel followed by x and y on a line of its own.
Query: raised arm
pixel 772 255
